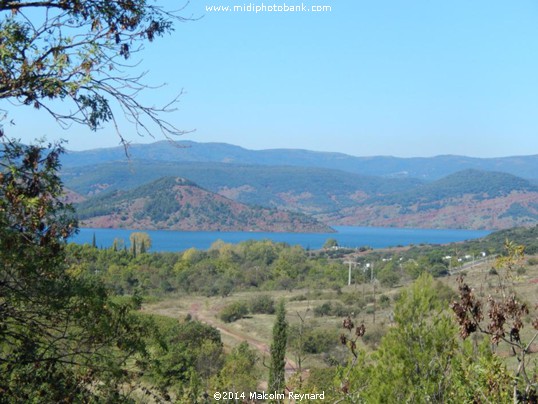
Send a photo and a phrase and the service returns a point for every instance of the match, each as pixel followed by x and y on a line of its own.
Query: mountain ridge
pixel 425 168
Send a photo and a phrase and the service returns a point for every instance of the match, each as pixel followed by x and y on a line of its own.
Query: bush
pixel 262 305
pixel 384 301
pixel 493 271
pixel 323 310
pixel 335 309
pixel 389 278
pixel 234 312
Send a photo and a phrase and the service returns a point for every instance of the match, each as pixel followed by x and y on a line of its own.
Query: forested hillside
pixel 309 190
pixel 178 204
pixel 470 199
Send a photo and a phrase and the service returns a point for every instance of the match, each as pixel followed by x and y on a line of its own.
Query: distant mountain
pixel 426 168
pixel 469 199
pixel 174 203
pixel 480 184
pixel 437 192
pixel 304 189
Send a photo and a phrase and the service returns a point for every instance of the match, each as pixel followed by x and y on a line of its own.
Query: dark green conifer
pixel 277 379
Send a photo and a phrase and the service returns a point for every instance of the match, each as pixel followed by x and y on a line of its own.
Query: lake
pixel 347 236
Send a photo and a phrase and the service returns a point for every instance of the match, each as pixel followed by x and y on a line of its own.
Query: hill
pixel 303 189
pixel 173 203
pixel 425 168
pixel 472 198
pixel 469 199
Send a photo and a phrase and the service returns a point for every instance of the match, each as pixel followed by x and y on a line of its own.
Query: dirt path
pixel 206 316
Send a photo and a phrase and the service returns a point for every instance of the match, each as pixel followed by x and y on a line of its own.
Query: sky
pixel 382 77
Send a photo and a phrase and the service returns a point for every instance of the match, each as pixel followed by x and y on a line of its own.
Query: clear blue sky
pixel 379 77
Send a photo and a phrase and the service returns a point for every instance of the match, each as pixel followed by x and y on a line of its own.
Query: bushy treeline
pixel 221 270
pixel 64 336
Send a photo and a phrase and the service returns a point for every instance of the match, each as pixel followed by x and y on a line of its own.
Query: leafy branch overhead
pixel 75 51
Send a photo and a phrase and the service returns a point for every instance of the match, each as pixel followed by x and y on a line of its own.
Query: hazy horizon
pixel 389 78
pixel 68 149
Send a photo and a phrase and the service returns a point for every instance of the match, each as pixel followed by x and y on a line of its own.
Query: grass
pixel 257 329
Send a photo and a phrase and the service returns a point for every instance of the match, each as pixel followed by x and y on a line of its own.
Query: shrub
pixel 384 301
pixel 263 304
pixel 323 310
pixel 319 341
pixel 234 312
pixel 333 309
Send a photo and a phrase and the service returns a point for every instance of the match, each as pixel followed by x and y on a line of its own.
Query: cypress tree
pixel 142 247
pixel 277 380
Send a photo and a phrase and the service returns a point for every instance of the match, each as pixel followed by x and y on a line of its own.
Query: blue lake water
pixel 347 236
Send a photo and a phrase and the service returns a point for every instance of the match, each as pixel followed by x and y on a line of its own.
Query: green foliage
pixel 389 275
pixel 313 340
pixel 218 272
pixel 384 301
pixel 233 312
pixel 69 51
pixel 263 304
pixel 332 309
pixel 183 354
pixel 59 330
pixel 479 375
pixel 239 373
pixel 418 350
pixel 413 357
pixel 330 243
pixel 277 380
pixel 140 242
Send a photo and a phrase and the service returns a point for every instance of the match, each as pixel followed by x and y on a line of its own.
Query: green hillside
pixel 174 203
pixel 298 188
pixel 480 184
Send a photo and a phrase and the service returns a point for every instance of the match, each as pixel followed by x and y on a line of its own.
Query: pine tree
pixel 277 381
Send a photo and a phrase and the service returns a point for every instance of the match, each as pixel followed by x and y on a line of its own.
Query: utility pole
pixel 349 273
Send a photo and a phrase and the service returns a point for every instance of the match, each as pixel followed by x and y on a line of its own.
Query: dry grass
pixel 257 329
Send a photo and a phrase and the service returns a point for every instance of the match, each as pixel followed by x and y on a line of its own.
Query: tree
pixel 414 359
pixel 61 337
pixel 140 242
pixel 277 376
pixel 74 51
pixel 330 243
pixel 239 373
